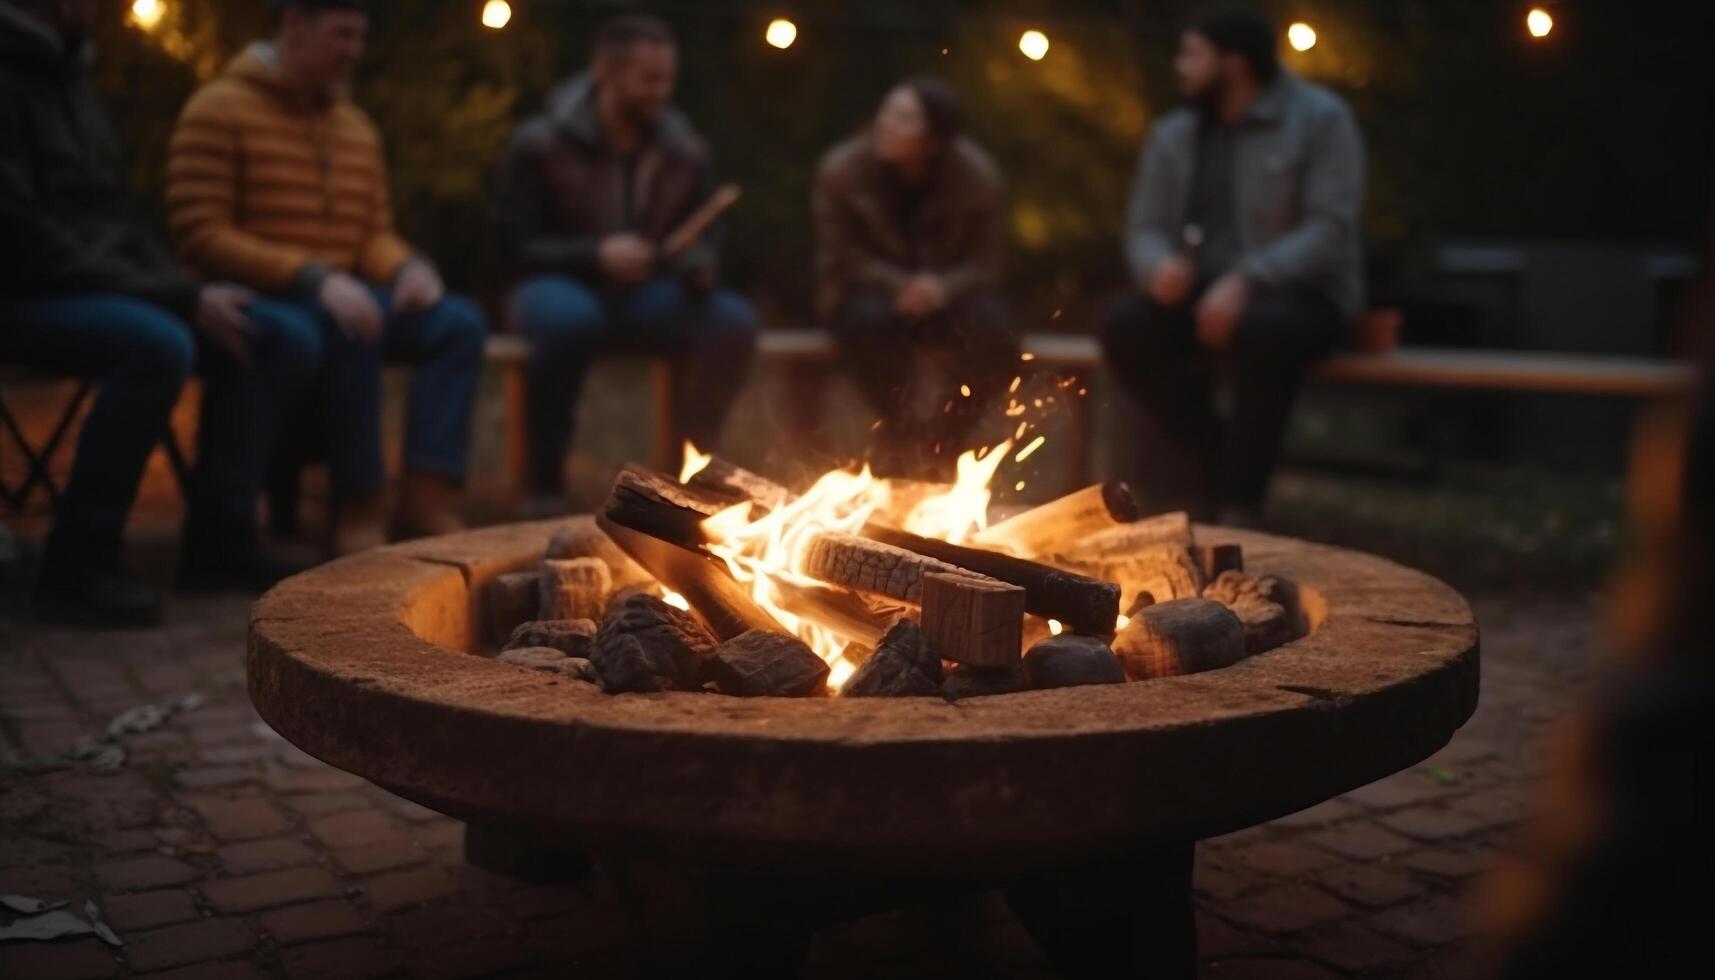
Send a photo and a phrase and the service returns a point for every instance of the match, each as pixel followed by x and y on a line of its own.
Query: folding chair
pixel 38 471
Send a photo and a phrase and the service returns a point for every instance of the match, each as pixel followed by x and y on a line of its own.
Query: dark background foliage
pixel 1603 131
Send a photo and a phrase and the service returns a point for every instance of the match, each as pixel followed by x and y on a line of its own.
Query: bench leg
pixel 517 449
pixel 663 441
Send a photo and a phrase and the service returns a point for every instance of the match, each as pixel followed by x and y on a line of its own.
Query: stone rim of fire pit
pixel 359 663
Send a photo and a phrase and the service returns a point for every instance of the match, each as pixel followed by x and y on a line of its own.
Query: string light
pixel 1034 44
pixel 1301 36
pixel 496 14
pixel 147 13
pixel 781 33
pixel 1538 22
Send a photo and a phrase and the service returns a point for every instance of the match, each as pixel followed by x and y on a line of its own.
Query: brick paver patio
pixel 217 850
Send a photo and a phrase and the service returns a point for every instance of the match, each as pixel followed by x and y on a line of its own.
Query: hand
pixel 221 318
pixel 417 287
pixel 625 257
pixel 352 306
pixel 1170 283
pixel 921 295
pixel 1218 314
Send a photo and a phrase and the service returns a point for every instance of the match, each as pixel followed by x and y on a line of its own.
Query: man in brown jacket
pixel 909 248
pixel 275 179
pixel 591 194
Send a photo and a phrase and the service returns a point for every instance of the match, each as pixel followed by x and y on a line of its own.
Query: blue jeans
pixel 141 355
pixel 710 336
pixel 443 343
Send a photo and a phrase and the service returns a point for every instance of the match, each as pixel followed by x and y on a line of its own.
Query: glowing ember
pixel 676 600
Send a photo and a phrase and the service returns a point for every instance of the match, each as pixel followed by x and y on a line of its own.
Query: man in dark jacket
pixel 592 193
pixel 1243 237
pixel 910 219
pixel 86 290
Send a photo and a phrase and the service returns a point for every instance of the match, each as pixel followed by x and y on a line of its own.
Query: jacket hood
pixel 571 108
pixel 258 65
pixel 24 40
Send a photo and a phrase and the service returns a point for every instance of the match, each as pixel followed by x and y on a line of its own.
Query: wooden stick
pixel 850 614
pixel 1042 530
pixel 692 228
pixel 725 477
pixel 1084 604
pixel 973 621
pixel 703 580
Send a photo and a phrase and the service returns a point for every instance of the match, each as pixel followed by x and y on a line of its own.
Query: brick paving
pixel 218 850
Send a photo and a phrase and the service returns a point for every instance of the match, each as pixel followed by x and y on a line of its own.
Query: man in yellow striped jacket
pixel 276 180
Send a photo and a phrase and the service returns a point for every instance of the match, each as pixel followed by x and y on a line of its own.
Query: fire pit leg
pixel 714 924
pixel 517 853
pixel 1120 918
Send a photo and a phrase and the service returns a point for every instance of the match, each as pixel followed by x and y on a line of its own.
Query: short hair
pixel 615 38
pixel 1243 30
pixel 943 111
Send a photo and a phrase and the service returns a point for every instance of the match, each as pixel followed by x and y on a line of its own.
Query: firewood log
pixel 870 566
pixel 1162 529
pixel 763 664
pixel 1041 530
pixel 650 646
pixel 573 588
pixel 1184 636
pixel 853 615
pixel 702 580
pixel 1254 601
pixel 973 621
pixel 725 477
pixel 582 539
pixel 662 507
pixel 1085 604
pixel 1162 572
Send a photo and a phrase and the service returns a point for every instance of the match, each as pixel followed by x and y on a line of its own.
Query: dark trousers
pixel 141 355
pixel 1153 351
pixel 442 344
pixel 709 335
pixel 879 347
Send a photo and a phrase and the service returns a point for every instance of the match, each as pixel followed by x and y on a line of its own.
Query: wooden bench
pixel 1081 355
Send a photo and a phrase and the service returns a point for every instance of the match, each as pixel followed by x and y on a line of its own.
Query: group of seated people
pixel 286 287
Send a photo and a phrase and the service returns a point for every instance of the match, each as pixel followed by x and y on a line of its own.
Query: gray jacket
pixel 1298 202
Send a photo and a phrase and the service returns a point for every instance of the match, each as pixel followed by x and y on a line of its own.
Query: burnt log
pixel 572 637
pixel 763 664
pixel 551 661
pixel 903 666
pixel 661 507
pixel 701 579
pixel 972 620
pixel 651 646
pixel 870 566
pixel 1041 530
pixel 1071 660
pixel 508 599
pixel 966 681
pixel 573 588
pixel 1184 636
pixel 1083 603
pixel 725 477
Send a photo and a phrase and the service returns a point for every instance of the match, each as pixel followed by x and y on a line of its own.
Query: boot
pixel 99 599
pixel 357 526
pixel 428 506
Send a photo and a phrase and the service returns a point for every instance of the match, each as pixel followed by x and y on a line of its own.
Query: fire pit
pixel 744 823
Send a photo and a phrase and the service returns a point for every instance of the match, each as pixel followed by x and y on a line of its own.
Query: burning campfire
pixel 721 579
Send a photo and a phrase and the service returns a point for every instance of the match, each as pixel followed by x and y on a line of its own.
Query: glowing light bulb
pixel 1538 22
pixel 1301 36
pixel 781 33
pixel 147 13
pixel 1034 44
pixel 496 14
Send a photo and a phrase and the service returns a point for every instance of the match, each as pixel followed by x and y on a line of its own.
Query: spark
pixel 1015 383
pixel 965 390
pixel 1035 444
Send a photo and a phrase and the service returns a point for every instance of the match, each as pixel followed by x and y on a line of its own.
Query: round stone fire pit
pixel 366 664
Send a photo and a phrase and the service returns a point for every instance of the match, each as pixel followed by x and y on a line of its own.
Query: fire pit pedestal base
pixel 1119 917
